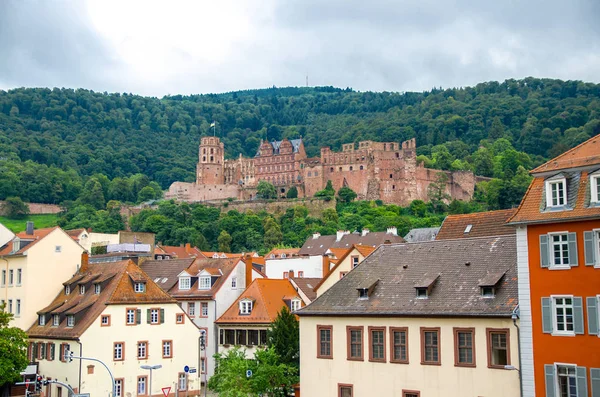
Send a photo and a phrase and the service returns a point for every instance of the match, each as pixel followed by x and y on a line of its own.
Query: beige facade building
pixel 431 319
pixel 31 263
pixel 344 264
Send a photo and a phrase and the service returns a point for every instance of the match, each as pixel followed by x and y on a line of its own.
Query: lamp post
pixel 150 368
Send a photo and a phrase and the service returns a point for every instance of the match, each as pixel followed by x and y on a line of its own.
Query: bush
pixel 15 208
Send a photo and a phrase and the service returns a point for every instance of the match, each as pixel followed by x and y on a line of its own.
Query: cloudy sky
pixel 182 47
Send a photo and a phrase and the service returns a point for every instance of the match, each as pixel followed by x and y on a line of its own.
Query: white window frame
pixel 555 330
pixel 204 309
pixel 41 317
pixel 11 277
pixel 154 314
pixel 192 309
pixel 355 261
pixel 81 289
pixel 127 316
pixel 549 200
pixel 19 277
pixel 18 308
pixel 182 381
pixel 142 347
pixel 55 320
pixel 557 376
pixel 70 320
pixel 67 289
pixel 204 282
pixel 185 283
pixel 139 287
pixel 141 391
pixel 118 388
pixel 296 304
pixel 118 351
pixel 97 288
pixel 596 242
pixel 595 187
pixel 551 249
pixel 167 345
pixel 233 282
pixel 245 307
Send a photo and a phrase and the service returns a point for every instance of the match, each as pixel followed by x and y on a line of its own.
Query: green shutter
pixel 162 315
pixel 148 316
pixel 590 252
pixel 138 316
pixel 549 375
pixel 578 315
pixel 592 314
pixel 572 238
pixel 582 382
pixel 52 348
pixel 35 351
pixel 595 381
pixel 544 251
pixel 547 323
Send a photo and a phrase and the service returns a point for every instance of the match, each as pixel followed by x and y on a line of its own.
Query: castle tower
pixel 209 170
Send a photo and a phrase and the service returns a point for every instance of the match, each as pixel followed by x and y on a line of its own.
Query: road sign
pixel 186 369
pixel 193 370
pixel 166 391
pixel 248 373
pixel 82 395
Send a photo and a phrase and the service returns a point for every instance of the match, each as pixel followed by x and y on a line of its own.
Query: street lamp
pixel 150 367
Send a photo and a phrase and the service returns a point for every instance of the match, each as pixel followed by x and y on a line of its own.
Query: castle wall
pixel 190 192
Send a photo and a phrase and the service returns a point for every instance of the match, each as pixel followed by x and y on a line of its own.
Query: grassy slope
pixel 40 221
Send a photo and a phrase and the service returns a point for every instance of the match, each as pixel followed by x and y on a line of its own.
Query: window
pixel 141 385
pixel 468 229
pixel 118 387
pixel 191 309
pixel 204 309
pixel 245 307
pixel 179 318
pixel 139 287
pixel 567 380
pixel 354 336
pixel 421 293
pixel 345 390
pixel 296 304
pixel 81 289
pixel 377 344
pixel 3 278
pixel 411 393
pixel 58 248
pixel 234 282
pixel 325 340
pixel 286 275
pixel 105 320
pixel 563 315
pixel 354 261
pixel 498 348
pixel 19 276
pixel 464 347
pixel 301 274
pixel 55 320
pixel 131 317
pixel 118 351
pixel 41 317
pixel 50 351
pixel 182 383
pixel 430 346
pixel 229 337
pixel 253 337
pixel 556 193
pixel 240 337
pixel 184 282
pixel 167 348
pixel 363 293
pixel 154 316
pixel 11 276
pixel 560 250
pixel 97 289
pixel 67 289
pixel 18 308
pixel 204 282
pixel 595 187
pixel 399 345
pixel 142 350
pixel 487 292
pixel 70 320
pixel 342 274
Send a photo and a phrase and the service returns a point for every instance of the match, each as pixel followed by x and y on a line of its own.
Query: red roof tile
pixel 584 154
pixel 37 235
pixel 483 224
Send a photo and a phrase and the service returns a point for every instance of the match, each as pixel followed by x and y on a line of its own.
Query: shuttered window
pixel 562 315
pixel 591 245
pixel 558 250
pixel 595 381
pixel 593 315
pixel 566 381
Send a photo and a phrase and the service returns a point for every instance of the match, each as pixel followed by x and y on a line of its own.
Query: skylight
pixel 468 228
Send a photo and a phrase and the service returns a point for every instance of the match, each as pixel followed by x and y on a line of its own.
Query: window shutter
pixel 544 251
pixel 162 315
pixel 546 316
pixel 595 375
pixel 549 372
pixel 35 351
pixel 592 312
pixel 52 351
pixel 578 315
pixel 590 252
pixel 221 340
pixel 573 249
pixel 148 316
pixel 582 382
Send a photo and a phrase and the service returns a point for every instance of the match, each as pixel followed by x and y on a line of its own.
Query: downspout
pixel 80 364
pixel 515 316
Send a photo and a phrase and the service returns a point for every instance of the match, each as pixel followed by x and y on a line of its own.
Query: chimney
pixel 291 274
pixel 248 263
pixel 188 248
pixel 364 232
pixel 316 235
pixel 340 234
pixel 392 230
pixel 84 262
pixel 29 228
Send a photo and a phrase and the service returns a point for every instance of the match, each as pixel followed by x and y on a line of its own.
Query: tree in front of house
pixel 292 193
pixel 13 350
pixel 15 208
pixel 284 338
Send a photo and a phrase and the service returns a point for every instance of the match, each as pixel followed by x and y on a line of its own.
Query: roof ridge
pixel 561 156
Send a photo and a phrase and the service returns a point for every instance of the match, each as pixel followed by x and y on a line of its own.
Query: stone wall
pixel 37 208
pixel 315 207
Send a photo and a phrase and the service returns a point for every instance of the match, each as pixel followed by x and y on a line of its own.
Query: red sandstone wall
pixel 37 208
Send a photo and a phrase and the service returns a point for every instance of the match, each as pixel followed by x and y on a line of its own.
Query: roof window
pixel 245 306
pixel 139 287
pixel 423 288
pixel 468 228
pixel 422 293
pixel 489 284
pixel 365 292
pixel 595 187
pixel 204 282
pixel 184 283
pixel 556 192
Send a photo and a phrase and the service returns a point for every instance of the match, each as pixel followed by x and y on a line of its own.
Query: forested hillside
pixel 53 140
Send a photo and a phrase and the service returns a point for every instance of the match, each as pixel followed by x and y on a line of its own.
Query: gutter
pixel 554 220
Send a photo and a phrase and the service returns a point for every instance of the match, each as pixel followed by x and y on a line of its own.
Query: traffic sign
pixel 248 373
pixel 186 369
pixel 166 391
pixel 192 370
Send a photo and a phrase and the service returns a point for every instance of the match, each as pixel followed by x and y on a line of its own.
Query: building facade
pixel 558 239
pixel 387 171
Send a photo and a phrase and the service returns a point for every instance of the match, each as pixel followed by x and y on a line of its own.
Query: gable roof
pixel 320 245
pixel 490 223
pixel 269 297
pixel 178 252
pixel 395 270
pixel 582 155
pixel 307 286
pixel 220 269
pixel 165 272
pixel 364 250
pixel 287 251
pixel 37 236
pixel 420 234
pixel 116 289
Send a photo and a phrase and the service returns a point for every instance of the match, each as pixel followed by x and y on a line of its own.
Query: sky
pixel 158 48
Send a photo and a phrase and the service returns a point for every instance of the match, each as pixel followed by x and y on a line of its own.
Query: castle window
pixel 361 167
pixel 204 151
pixel 340 168
pixel 309 174
pixel 211 151
pixel 203 158
pixel 391 176
pixel 397 155
pixel 212 158
pixel 350 168
pixel 331 169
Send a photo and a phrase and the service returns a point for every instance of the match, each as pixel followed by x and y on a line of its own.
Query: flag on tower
pixel 212 124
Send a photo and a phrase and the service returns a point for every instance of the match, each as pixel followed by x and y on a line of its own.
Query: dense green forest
pixel 53 141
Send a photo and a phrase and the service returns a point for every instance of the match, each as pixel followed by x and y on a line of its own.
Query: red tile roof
pixel 584 154
pixel 483 224
pixel 38 234
pixel 178 252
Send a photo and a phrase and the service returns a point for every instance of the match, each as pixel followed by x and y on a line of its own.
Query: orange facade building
pixel 558 251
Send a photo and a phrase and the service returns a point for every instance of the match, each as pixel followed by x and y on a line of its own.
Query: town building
pixel 31 262
pixel 305 287
pixel 421 234
pixel 386 171
pixel 115 313
pixel 558 245
pixel 176 252
pixel 431 319
pixel 282 253
pixel 246 321
pixel 477 224
pixel 322 245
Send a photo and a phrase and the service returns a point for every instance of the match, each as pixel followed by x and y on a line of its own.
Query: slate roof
pixel 320 245
pixel 165 272
pixel 117 289
pixel 268 299
pixel 490 223
pixel 393 272
pixel 582 155
pixel 421 234
pixel 307 286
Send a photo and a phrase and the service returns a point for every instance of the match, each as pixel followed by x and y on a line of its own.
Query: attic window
pixel 295 304
pixel 67 290
pixel 468 228
pixel 556 192
pixel 81 289
pixel 488 292
pixel 283 255
pixel 97 288
pixel 422 293
pixel 204 282
pixel 42 319
pixel 139 287
pixel 489 284
pixel 363 293
pixel 184 282
pixel 245 307
pixel 595 187
pixel 55 320
pixel 70 320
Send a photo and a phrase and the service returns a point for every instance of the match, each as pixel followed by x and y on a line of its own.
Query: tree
pixel 292 193
pixel 496 130
pixel 147 193
pixel 346 195
pixel 224 241
pixel 436 192
pixel 328 193
pixel 93 194
pixel 273 235
pixel 230 378
pixel 284 338
pixel 13 350
pixel 15 208
pixel 266 190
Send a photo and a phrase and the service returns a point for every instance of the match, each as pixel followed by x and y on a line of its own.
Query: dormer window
pixel 487 292
pixel 41 320
pixel 425 286
pixel 55 320
pixel 363 293
pixel 556 192
pixel 185 282
pixel 67 289
pixel 489 284
pixel 595 187
pixel 97 288
pixel 204 282
pixel 234 282
pixel 245 307
pixel 283 256
pixel 296 304
pixel 70 320
pixel 422 293
pixel 81 289
pixel 139 287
